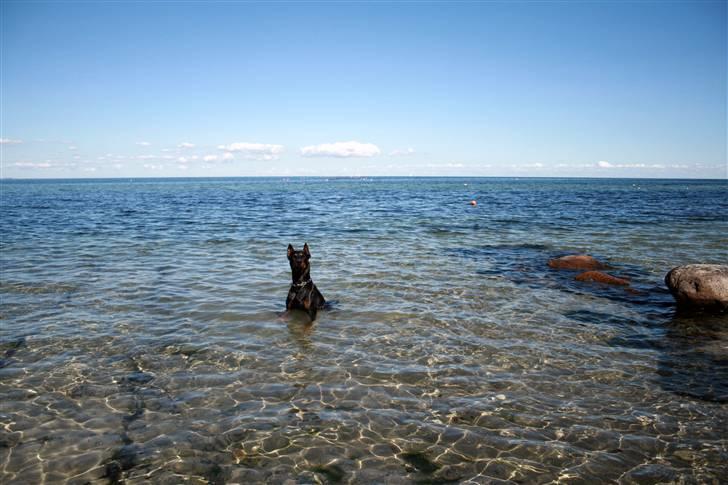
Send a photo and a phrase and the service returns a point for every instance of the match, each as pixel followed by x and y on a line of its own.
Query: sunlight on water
pixel 142 332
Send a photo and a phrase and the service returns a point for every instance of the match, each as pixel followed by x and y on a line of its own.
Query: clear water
pixel 143 334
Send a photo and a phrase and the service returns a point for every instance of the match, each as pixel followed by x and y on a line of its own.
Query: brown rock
pixel 600 277
pixel 699 285
pixel 576 261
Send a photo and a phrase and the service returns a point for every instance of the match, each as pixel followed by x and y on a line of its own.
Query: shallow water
pixel 142 333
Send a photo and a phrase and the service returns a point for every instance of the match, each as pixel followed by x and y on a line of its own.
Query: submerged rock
pixel 577 261
pixel 600 277
pixel 699 285
pixel 651 473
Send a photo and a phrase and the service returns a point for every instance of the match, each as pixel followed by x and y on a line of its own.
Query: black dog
pixel 303 294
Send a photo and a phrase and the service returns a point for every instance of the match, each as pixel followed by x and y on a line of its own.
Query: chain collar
pixel 301 284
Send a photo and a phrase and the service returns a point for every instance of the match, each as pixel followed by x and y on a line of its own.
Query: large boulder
pixel 699 285
pixel 599 277
pixel 577 261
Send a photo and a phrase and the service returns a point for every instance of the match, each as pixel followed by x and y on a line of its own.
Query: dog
pixel 303 294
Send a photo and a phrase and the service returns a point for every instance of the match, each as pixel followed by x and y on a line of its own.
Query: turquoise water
pixel 143 335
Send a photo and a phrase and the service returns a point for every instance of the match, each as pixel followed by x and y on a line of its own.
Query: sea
pixel 144 336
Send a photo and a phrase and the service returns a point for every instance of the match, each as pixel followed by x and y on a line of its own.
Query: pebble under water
pixel 143 336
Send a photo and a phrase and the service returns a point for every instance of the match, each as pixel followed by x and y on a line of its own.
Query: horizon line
pixel 363 176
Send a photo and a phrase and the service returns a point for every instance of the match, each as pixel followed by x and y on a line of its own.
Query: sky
pixel 168 89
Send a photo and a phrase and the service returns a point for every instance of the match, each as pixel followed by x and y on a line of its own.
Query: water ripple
pixel 143 338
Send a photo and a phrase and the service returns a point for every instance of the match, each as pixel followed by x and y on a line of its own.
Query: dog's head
pixel 299 259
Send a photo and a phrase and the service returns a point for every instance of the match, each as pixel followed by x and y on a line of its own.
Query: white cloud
pixel 73 147
pixel 146 157
pixel 143 143
pixel 226 157
pixel 186 145
pixel 603 164
pixel 55 164
pixel 33 164
pixel 402 153
pixel 152 166
pixel 10 141
pixel 254 151
pixel 342 149
pixel 442 165
pixel 573 165
pixel 182 160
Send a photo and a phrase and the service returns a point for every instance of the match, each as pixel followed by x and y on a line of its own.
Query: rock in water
pixel 576 261
pixel 600 277
pixel 699 285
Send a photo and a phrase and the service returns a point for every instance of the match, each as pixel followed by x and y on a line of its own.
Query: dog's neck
pixel 300 277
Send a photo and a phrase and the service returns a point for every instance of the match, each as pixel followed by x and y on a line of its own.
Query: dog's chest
pixel 300 297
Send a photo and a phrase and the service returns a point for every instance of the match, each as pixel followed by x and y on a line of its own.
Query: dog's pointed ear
pixel 290 251
pixel 306 251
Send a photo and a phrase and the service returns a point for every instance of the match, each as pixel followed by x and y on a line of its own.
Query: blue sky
pixel 119 89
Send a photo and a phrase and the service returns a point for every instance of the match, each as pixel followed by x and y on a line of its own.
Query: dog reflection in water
pixel 303 294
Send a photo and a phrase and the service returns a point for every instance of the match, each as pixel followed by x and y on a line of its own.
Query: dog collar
pixel 302 283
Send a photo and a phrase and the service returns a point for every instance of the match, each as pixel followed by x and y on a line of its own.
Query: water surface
pixel 142 334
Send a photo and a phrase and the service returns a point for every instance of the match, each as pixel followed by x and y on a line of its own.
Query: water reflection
pixel 694 360
pixel 300 329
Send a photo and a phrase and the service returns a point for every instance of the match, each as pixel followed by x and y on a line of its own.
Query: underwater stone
pixel 651 473
pixel 599 277
pixel 138 377
pixel 576 261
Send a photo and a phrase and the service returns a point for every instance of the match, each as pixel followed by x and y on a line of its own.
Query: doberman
pixel 303 294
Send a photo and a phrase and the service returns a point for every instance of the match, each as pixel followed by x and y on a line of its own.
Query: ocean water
pixel 143 336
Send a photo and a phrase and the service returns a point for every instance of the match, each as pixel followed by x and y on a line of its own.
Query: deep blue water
pixel 143 334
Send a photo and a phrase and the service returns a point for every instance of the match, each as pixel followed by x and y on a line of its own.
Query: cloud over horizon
pixel 341 149
pixel 10 141
pixel 402 153
pixel 252 151
pixel 604 164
